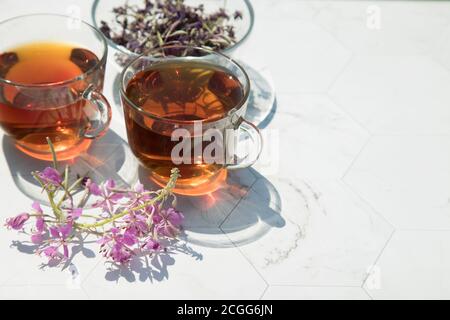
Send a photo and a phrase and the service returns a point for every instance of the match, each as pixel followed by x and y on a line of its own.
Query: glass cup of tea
pixel 52 69
pixel 184 108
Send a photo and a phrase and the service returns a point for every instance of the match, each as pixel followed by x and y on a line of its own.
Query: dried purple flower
pixel 159 23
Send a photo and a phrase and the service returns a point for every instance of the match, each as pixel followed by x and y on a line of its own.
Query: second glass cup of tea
pixel 52 70
pixel 184 108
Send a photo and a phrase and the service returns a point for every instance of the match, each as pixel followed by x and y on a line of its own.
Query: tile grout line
pixel 318 11
pixel 91 271
pixel 350 51
pixel 246 259
pixel 377 259
pixel 367 293
pixel 264 292
pixel 321 27
pixel 341 72
pixel 410 135
pixel 367 203
pixel 237 204
pixel 45 286
pixel 422 230
pixel 85 292
pixel 352 164
pixel 348 114
pixel 432 57
pixel 315 286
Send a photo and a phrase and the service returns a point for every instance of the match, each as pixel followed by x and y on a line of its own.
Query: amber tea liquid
pixel 30 114
pixel 183 92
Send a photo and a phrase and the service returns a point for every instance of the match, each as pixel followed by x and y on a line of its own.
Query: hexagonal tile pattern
pixel 30 269
pixel 316 139
pixel 358 145
pixel 192 273
pixel 212 209
pixel 314 293
pixel 325 236
pixel 297 10
pixel 299 58
pixel 105 158
pixel 406 179
pixel 33 292
pixel 441 50
pixel 385 27
pixel 415 265
pixel 23 267
pixel 395 95
pixel 256 214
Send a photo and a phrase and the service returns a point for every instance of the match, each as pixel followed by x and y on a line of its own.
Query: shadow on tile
pixel 116 95
pixel 247 206
pixel 97 163
pixel 262 104
pixel 150 268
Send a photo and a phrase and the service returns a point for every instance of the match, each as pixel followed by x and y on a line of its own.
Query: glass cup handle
pixel 100 125
pixel 255 136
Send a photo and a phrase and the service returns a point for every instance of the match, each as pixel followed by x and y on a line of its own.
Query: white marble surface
pixel 351 199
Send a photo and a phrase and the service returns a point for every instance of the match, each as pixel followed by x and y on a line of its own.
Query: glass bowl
pixel 102 11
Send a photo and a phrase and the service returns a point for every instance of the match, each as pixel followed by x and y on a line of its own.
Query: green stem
pixel 162 195
pixel 89 216
pixel 56 210
pixel 84 199
pixel 52 149
pixel 66 177
pixel 68 190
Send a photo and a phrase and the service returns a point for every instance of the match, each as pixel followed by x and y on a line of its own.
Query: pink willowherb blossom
pixel 59 237
pixel 17 222
pixel 50 176
pixel 129 223
pixel 167 222
pixel 109 197
pixel 37 236
pixel 152 244
pixel 136 224
pixel 52 253
pixel 75 214
pixel 116 246
pixel 93 188
pixel 40 221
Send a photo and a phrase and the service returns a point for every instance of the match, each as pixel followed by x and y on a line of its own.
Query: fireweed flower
pixel 93 188
pixel 52 253
pixel 37 238
pixel 138 195
pixel 59 237
pixel 168 222
pixel 17 222
pixel 152 244
pixel 136 224
pixel 38 233
pixel 40 221
pixel 50 176
pixel 109 197
pixel 116 246
pixel 75 214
